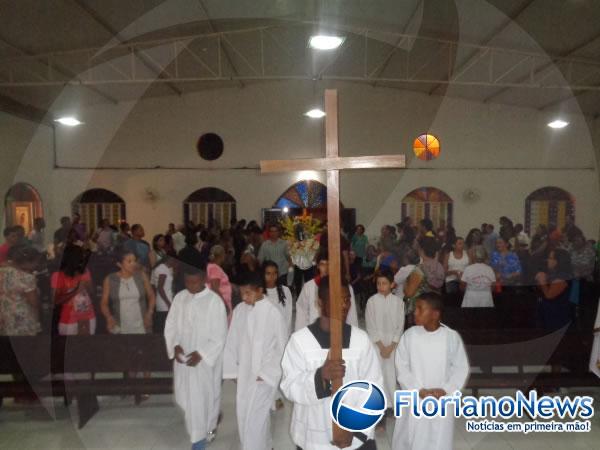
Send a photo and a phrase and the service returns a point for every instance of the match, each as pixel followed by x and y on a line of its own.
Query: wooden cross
pixel 333 163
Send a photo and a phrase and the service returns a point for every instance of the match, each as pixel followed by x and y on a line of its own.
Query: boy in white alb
pixel 307 375
pixel 430 359
pixel 307 305
pixel 195 333
pixel 255 344
pixel 385 324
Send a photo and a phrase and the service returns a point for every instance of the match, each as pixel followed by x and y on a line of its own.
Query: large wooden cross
pixel 333 163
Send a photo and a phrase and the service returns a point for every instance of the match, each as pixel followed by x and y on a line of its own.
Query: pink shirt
pixel 214 272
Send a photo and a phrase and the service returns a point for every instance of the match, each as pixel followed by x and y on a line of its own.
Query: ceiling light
pixel 68 121
pixel 315 113
pixel 323 42
pixel 558 124
pixel 286 209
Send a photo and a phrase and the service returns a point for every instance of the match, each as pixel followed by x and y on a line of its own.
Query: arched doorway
pixel 22 204
pixel 549 206
pixel 312 196
pixel 428 203
pixel 97 204
pixel 210 206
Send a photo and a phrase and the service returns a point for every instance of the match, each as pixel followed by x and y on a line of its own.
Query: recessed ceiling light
pixel 558 123
pixel 68 121
pixel 315 113
pixel 323 42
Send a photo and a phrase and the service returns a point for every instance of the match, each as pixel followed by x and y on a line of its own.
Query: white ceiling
pixel 542 54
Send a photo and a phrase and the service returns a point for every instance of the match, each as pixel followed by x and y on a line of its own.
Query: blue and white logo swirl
pixel 358 406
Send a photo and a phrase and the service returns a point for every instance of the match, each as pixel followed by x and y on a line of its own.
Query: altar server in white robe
pixel 307 375
pixel 255 343
pixel 195 333
pixel 595 356
pixel 278 294
pixel 307 305
pixel 478 279
pixel 431 359
pixel 385 324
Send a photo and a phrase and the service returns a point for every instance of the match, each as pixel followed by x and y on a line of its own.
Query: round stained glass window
pixel 427 147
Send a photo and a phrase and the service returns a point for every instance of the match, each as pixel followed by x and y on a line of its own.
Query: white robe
pixel 286 311
pixel 384 318
pixel 479 279
pixel 197 322
pixel 429 360
pixel 255 344
pixel 595 356
pixel 307 306
pixel 311 419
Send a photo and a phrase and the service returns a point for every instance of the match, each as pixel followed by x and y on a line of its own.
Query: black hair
pixel 191 239
pixel 22 254
pixel 193 271
pixel 429 246
pixel 564 267
pixel 427 224
pixel 122 252
pixel 9 230
pixel 252 279
pixel 74 260
pixel 433 299
pixel 323 292
pixel 155 240
pixel 386 273
pixel 123 226
pixel 280 293
pixel 323 255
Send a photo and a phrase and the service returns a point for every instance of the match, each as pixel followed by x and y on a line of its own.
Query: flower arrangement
pixel 302 234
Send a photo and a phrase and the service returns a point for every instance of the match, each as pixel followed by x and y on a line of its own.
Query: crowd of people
pixel 204 289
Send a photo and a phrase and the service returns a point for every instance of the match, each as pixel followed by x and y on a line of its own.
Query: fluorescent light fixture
pixel 323 42
pixel 68 121
pixel 558 123
pixel 315 113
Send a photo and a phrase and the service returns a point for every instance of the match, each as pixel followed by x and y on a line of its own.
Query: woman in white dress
pixel 455 263
pixel 478 279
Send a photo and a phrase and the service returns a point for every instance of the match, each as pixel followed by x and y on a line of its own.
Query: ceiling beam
pixel 378 71
pixel 56 67
pixel 546 66
pixel 13 107
pixel 476 55
pixel 116 35
pixel 213 29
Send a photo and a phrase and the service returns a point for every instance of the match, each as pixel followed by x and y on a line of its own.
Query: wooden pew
pixel 39 357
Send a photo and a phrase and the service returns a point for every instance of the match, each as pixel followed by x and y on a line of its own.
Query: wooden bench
pixel 40 358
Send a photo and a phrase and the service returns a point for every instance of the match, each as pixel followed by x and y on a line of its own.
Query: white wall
pixel 504 152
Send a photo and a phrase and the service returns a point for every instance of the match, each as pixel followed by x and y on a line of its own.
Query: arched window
pixel 94 205
pixel 22 204
pixel 308 194
pixel 549 206
pixel 430 203
pixel 209 206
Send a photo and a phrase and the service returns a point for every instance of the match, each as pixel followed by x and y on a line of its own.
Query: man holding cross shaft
pixel 332 163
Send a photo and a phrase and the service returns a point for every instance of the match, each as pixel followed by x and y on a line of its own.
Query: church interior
pixel 145 128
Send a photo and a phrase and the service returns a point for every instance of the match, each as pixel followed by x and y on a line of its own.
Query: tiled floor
pixel 157 424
